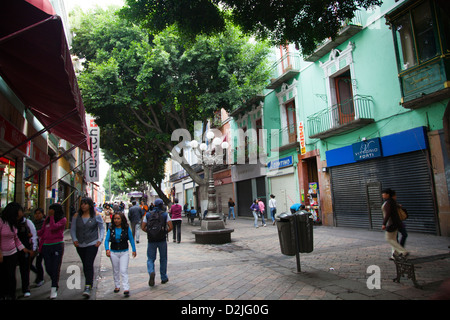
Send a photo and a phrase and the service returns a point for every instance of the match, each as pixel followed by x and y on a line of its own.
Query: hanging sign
pixel 301 132
pixel 93 166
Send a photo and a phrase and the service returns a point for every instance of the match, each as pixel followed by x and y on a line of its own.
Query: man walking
pixel 135 214
pixel 157 224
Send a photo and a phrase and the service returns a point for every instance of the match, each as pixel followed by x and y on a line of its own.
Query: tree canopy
pixel 142 87
pixel 302 22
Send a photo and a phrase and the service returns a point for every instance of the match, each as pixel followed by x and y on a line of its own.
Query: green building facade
pixel 366 111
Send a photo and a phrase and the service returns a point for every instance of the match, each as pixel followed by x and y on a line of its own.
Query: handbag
pixel 402 214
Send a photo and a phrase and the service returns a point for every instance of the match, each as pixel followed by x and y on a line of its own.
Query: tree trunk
pixel 160 193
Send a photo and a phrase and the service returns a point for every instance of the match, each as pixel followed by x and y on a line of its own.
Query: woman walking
pixel 87 232
pixel 118 236
pixel 175 215
pixel 51 244
pixel 262 211
pixel 391 222
pixel 255 210
pixel 107 215
pixel 231 206
pixel 272 208
pixel 10 246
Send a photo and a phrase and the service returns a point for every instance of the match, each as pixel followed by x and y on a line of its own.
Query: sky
pixel 88 4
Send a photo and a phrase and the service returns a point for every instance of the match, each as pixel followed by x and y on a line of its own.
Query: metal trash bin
pixel 285 235
pixel 305 224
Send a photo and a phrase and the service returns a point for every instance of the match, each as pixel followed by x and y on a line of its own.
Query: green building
pixel 366 111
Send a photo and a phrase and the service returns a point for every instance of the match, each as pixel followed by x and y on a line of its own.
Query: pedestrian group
pixel 23 241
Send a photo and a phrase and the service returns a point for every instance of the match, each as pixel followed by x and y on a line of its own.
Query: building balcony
pixel 426 83
pixel 286 138
pixel 349 29
pixel 287 67
pixel 341 117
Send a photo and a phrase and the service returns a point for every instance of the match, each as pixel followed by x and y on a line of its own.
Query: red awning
pixel 35 62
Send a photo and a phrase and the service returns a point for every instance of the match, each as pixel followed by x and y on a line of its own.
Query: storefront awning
pixel 36 64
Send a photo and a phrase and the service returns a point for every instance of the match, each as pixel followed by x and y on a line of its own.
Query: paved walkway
pixel 252 267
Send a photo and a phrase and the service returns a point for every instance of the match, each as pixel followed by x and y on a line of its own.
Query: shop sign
pixel 302 138
pixel 281 163
pixel 366 150
pixel 93 172
pixel 10 134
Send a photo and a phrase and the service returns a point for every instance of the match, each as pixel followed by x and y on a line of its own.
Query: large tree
pixel 303 22
pixel 146 87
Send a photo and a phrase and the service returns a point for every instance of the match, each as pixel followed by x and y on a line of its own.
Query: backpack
pixel 402 213
pixel 156 226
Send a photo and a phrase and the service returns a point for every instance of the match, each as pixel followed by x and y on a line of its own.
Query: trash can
pixel 305 224
pixel 285 234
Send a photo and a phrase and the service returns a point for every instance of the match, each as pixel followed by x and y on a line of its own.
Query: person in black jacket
pixel 391 222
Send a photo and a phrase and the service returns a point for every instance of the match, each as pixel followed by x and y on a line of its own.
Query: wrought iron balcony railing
pixel 284 69
pixel 340 117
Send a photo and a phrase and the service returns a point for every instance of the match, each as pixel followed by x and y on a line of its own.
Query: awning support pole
pixel 69 172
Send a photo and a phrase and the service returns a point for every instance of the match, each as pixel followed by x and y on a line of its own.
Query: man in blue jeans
pixel 158 243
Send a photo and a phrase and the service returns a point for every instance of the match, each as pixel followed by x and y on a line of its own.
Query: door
pixel 244 198
pixel 344 98
pixel 374 201
pixel 291 122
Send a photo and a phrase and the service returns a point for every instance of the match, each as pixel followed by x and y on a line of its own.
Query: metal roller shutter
pixel 223 193
pixel 285 190
pixel 244 198
pixel 356 191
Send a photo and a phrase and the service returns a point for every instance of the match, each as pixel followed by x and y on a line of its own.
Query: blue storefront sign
pixel 281 163
pixel 402 142
pixel 366 150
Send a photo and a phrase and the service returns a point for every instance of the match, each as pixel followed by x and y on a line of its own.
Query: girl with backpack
pixel 116 246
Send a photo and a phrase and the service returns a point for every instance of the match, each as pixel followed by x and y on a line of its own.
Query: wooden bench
pixel 406 267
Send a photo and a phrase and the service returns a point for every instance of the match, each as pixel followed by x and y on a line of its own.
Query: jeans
pixel 151 257
pixel 255 215
pixel 176 230
pixel 231 211
pixel 8 276
pixel 402 230
pixel 53 255
pixel 135 230
pixel 37 268
pixel 87 255
pixel 24 267
pixel 119 261
pixel 272 213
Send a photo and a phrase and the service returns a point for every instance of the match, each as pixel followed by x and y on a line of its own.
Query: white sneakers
pixel 53 293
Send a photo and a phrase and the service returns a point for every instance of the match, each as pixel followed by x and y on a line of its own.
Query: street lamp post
pixel 213 229
pixel 209 158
